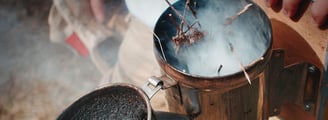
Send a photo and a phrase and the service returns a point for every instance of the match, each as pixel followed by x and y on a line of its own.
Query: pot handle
pixel 152 86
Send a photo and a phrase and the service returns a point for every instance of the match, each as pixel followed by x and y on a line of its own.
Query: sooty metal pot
pixel 120 101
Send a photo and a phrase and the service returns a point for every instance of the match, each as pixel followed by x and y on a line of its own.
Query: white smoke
pixel 245 35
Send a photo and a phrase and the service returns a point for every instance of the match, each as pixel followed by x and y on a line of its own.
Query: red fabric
pixel 75 42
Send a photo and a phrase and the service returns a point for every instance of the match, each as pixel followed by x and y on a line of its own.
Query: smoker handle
pixel 152 86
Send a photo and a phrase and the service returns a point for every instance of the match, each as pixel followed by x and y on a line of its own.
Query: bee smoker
pixel 230 97
pixel 190 96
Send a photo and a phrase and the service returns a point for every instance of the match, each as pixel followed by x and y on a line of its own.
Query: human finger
pixel 290 7
pixel 271 3
pixel 319 11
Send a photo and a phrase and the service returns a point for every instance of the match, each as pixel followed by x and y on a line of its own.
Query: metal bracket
pixel 297 83
pixel 152 86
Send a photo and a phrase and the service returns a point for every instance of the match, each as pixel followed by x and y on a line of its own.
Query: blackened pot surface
pixel 116 102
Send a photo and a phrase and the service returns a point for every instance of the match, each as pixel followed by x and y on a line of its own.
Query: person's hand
pixel 98 10
pixel 319 9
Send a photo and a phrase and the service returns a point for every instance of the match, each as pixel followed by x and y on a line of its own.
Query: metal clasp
pixel 297 83
pixel 152 86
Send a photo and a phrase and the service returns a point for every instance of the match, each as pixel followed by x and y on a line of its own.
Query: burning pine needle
pixel 232 18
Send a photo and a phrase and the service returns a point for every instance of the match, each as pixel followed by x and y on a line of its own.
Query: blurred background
pixel 39 79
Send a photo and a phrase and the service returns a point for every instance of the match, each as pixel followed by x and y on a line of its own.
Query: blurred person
pixel 84 23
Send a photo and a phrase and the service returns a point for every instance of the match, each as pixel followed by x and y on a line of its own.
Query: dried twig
pixel 177 12
pixel 241 65
pixel 232 18
pixel 174 23
pixel 192 25
pixel 194 13
pixel 260 59
pixel 190 8
pixel 245 73
pixel 191 35
pixel 219 69
pixel 228 22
